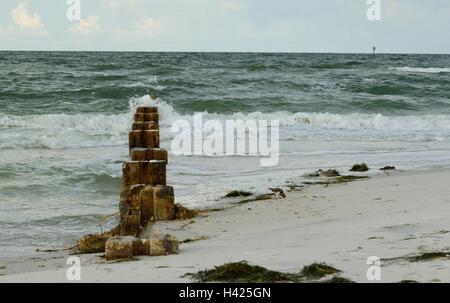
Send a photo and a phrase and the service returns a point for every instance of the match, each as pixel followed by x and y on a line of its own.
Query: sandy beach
pixel 401 215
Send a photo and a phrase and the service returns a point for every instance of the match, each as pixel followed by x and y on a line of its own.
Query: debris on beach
pixel 331 173
pixel 421 257
pixel 183 213
pixel 429 256
pixel 275 192
pixel 338 280
pixel 190 240
pixel 318 270
pixel 238 193
pixel 243 272
pixel 278 192
pixel 388 169
pixel 312 175
pixel 92 244
pixel 360 167
pixel 335 180
pixel 261 197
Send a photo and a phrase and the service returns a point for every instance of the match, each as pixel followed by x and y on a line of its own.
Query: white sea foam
pixel 431 70
pixel 56 131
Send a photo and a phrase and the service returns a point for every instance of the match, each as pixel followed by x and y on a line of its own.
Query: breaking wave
pixel 430 70
pixel 62 131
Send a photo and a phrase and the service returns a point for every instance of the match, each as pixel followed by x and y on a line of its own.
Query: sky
pixel 405 26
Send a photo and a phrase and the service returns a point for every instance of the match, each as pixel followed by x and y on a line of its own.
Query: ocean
pixel 65 116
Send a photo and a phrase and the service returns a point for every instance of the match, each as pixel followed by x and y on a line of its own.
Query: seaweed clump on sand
pixel 238 193
pixel 318 270
pixel 344 179
pixel 338 280
pixel 336 180
pixel 96 243
pixel 360 167
pixel 423 257
pixel 242 272
pixel 257 198
pixel 183 213
pixel 429 256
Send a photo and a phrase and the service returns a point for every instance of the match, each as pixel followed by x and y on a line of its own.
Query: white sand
pixel 342 225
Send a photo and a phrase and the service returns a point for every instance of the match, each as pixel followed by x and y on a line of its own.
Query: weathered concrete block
pixel 140 204
pixel 130 211
pixel 157 204
pixel 147 110
pixel 148 154
pixel 118 248
pixel 157 245
pixel 143 139
pixel 144 172
pixel 92 243
pixel 145 126
pixel 147 117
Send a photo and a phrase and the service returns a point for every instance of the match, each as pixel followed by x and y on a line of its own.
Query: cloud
pixel 87 26
pixel 24 24
pixel 233 6
pixel 24 19
pixel 150 27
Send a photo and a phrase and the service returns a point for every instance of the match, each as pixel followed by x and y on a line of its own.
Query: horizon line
pixel 219 52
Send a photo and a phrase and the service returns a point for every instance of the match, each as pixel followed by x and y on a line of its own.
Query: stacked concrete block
pixel 144 194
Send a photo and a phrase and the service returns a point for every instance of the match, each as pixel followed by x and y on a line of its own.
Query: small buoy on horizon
pixel 374 49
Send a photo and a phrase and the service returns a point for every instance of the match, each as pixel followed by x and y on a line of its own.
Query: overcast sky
pixel 406 26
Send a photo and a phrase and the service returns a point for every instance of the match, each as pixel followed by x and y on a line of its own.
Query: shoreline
pixel 342 224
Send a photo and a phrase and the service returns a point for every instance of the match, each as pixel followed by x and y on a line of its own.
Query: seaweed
pixel 429 256
pixel 318 270
pixel 338 280
pixel 91 244
pixel 238 193
pixel 426 256
pixel 344 179
pixel 331 173
pixel 311 175
pixel 257 198
pixel 337 180
pixel 183 213
pixel 360 167
pixel 190 240
pixel 242 272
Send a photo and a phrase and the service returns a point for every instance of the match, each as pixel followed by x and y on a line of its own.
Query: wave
pixel 62 131
pixel 352 121
pixel 102 180
pixel 256 67
pixel 430 70
pixel 340 65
